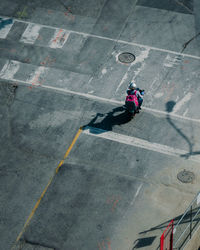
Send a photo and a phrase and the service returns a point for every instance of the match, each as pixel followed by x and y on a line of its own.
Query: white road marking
pixel 59 38
pixel 31 33
pixel 170 61
pixel 114 40
pixel 11 67
pixel 136 194
pixel 137 142
pixel 36 77
pixel 183 101
pixel 186 111
pixel 5 30
pixel 139 59
pixel 9 70
pixel 158 95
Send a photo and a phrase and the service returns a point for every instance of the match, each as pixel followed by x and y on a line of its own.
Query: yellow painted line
pixel 34 209
pixel 50 181
pixel 73 142
pixel 60 164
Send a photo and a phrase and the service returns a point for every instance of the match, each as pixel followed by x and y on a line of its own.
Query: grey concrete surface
pixel 59 70
pixel 194 243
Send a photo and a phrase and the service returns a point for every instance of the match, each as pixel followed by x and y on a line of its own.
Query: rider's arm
pixel 139 95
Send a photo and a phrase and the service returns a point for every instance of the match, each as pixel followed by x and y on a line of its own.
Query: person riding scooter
pixel 134 98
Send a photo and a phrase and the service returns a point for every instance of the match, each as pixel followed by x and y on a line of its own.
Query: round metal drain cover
pixel 186 176
pixel 126 57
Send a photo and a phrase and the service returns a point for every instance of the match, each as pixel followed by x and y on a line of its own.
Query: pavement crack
pixel 187 43
pixel 183 5
pixel 26 243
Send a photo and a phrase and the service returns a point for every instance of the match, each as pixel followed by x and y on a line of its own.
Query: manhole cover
pixel 186 176
pixel 126 57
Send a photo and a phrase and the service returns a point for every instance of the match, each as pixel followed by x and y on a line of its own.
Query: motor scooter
pixel 132 105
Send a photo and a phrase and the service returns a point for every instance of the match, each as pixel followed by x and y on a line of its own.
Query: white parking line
pixel 137 142
pixel 59 38
pixel 5 30
pixel 31 33
pixel 9 70
pixel 114 40
pixel 36 78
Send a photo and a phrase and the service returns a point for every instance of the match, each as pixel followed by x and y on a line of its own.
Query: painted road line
pixel 140 59
pixel 46 188
pixel 9 70
pixel 31 33
pixel 6 24
pixel 182 102
pixel 114 40
pixel 36 77
pixel 70 148
pixel 59 38
pixel 102 99
pixel 139 143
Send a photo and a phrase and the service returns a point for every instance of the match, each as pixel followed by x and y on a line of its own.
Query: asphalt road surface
pixel 75 172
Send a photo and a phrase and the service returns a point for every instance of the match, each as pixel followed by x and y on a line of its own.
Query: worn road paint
pixel 182 102
pixel 6 27
pixel 44 191
pixel 102 99
pixel 136 194
pixel 104 244
pixel 33 211
pixel 139 59
pixel 9 69
pixel 170 62
pixel 114 40
pixel 30 34
pixel 59 39
pixel 113 202
pixel 48 61
pixel 137 142
pixel 36 76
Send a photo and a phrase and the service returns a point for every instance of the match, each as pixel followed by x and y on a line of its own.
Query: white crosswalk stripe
pixel 59 39
pixel 137 142
pixel 31 33
pixel 6 24
pixel 9 70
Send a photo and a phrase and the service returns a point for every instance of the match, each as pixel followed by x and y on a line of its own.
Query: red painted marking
pixel 104 245
pixel 169 90
pixel 186 61
pixel 48 61
pixel 113 201
pixel 50 11
pixel 13 50
pixel 39 38
pixel 58 35
pixel 36 80
pixel 27 60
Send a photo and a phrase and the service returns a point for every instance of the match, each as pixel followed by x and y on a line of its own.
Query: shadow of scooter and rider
pixel 110 119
